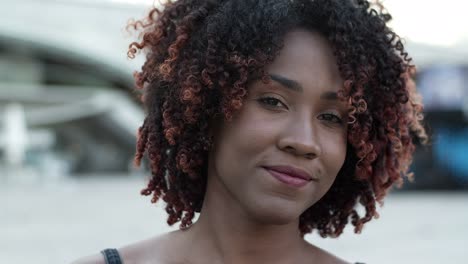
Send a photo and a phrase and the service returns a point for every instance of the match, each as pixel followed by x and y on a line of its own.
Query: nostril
pixel 290 149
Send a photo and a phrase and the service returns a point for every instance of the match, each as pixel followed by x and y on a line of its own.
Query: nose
pixel 301 139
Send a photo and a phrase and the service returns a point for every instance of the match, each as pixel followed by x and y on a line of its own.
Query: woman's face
pixel 294 121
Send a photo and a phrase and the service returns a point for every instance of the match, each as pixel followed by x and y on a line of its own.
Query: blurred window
pixel 23 64
pixel 444 87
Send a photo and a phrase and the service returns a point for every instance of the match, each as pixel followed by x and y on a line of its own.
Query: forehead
pixel 307 57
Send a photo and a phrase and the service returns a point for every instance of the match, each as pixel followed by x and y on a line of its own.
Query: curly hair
pixel 200 56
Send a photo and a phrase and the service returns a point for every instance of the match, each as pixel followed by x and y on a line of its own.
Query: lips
pixel 289 175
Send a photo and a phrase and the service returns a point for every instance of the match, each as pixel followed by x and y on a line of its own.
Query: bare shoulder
pixel 154 249
pixel 149 250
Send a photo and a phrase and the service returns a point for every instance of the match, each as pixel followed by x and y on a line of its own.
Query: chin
pixel 275 215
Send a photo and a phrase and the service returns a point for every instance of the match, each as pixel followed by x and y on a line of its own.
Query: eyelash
pixel 331 116
pixel 264 100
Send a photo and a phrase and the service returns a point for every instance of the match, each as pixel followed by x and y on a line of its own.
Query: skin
pixel 248 216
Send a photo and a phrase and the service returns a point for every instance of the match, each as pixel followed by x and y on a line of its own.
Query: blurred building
pixel 444 88
pixel 66 100
pixel 67 106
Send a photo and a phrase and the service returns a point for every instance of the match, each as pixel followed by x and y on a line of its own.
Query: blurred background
pixel 68 120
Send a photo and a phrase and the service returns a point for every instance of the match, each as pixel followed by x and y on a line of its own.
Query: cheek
pixel 242 144
pixel 248 135
pixel 335 156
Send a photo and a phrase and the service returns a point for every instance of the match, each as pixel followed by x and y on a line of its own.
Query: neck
pixel 225 233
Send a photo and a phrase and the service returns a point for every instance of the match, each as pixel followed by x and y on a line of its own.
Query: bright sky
pixel 443 23
pixel 434 22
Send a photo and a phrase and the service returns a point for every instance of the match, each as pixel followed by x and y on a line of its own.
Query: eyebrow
pixel 288 83
pixel 329 96
pixel 295 86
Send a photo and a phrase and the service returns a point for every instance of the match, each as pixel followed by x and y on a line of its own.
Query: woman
pixel 271 119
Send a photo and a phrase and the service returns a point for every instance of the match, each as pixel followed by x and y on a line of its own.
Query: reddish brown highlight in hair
pixel 199 63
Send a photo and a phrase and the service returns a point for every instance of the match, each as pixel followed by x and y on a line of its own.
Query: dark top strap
pixel 111 255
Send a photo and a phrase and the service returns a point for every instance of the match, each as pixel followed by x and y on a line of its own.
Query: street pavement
pixel 59 221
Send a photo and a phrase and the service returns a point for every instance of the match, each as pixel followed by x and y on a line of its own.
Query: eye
pixel 331 117
pixel 271 102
